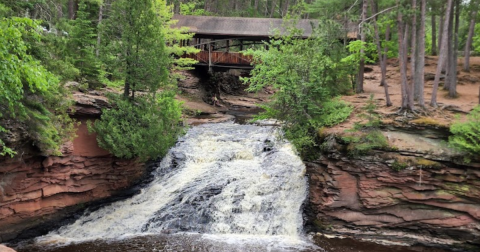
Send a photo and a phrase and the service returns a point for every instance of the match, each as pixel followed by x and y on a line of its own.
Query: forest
pixel 132 47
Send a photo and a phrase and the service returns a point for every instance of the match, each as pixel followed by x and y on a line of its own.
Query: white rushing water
pixel 225 181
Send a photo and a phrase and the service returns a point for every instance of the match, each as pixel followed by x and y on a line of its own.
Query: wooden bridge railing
pixel 221 58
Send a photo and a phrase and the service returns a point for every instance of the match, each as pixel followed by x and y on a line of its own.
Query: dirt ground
pixel 448 108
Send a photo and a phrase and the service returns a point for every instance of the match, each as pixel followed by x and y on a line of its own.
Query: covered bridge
pixel 221 38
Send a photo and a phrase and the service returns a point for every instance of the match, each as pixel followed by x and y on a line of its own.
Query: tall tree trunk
pixel 72 9
pixel 449 62
pixel 420 65
pixel 434 34
pixel 99 37
pixel 441 58
pixel 402 59
pixel 471 31
pixel 453 85
pixel 255 7
pixel 361 65
pixel 382 57
pixel 440 29
pixel 413 54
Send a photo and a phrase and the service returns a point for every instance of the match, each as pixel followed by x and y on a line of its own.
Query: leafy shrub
pixel 139 129
pixel 466 135
pixel 28 92
pixel 307 75
pixel 361 143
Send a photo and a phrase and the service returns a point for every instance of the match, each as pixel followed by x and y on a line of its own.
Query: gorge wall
pixel 35 189
pixel 418 192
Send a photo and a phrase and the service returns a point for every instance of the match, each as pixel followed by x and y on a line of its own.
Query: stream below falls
pixel 223 187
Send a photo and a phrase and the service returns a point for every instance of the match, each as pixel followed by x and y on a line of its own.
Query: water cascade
pixel 220 181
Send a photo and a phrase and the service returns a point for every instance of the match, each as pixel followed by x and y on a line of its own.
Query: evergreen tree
pixel 142 123
pixel 82 45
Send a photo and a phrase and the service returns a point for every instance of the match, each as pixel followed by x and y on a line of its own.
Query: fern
pixel 466 135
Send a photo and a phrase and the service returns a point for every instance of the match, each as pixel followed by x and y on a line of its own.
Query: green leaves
pixel 146 128
pixel 306 74
pixel 466 135
pixel 28 92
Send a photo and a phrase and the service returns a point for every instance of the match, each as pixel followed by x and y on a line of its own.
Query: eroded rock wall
pixel 418 189
pixel 34 189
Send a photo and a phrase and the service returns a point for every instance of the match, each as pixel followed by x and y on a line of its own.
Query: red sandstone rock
pixel 33 186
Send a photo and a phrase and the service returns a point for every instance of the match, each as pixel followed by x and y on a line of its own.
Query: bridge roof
pixel 236 27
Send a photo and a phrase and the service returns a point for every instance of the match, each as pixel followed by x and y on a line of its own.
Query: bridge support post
pixel 210 58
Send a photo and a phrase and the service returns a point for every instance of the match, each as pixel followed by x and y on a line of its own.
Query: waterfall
pixel 220 180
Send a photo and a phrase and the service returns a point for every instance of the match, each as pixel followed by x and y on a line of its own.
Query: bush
pixel 307 75
pixel 362 143
pixel 466 135
pixel 142 128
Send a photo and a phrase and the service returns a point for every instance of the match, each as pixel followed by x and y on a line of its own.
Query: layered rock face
pixel 34 189
pixel 418 189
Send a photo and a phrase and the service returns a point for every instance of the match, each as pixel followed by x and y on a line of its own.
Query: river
pixel 223 187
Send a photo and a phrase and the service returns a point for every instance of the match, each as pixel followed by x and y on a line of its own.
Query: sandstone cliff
pixel 419 192
pixel 34 189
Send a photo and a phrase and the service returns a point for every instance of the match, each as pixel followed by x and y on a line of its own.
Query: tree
pixel 441 58
pixel 419 75
pixel 82 44
pixel 407 88
pixel 143 115
pixel 307 74
pixel 471 31
pixel 28 92
pixel 382 53
pixel 361 66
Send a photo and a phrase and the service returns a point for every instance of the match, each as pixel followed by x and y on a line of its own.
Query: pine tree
pixel 82 44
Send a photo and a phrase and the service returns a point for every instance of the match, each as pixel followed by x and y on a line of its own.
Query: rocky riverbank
pixel 417 192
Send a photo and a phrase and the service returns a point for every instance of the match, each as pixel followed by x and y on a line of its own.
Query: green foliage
pixel 371 116
pixel 194 8
pixel 398 166
pixel 146 128
pixel 306 74
pixel 476 39
pixel 28 92
pixel 361 143
pixel 143 122
pixel 81 45
pixel 135 45
pixel 365 136
pixel 175 35
pixel 466 135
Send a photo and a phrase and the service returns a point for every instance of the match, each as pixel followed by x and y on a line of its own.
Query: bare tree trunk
pixel 440 30
pixel 255 7
pixel 420 66
pixel 434 35
pixel 441 61
pixel 402 59
pixel 449 62
pixel 413 53
pixel 72 9
pixel 361 65
pixel 408 85
pixel 471 31
pixel 99 36
pixel 382 57
pixel 453 85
